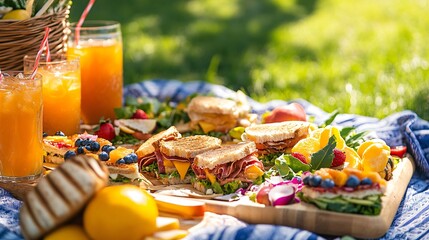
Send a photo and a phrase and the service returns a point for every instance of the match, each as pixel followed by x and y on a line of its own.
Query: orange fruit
pixel 121 212
pixel 352 157
pixel 316 133
pixel 375 157
pixel 368 143
pixel 352 171
pixel 68 232
pixel 375 178
pixel 327 133
pixel 118 153
pixel 323 173
pixel 306 147
pixel 339 177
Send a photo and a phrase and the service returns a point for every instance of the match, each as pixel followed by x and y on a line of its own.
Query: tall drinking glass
pixel 61 92
pixel 99 46
pixel 21 149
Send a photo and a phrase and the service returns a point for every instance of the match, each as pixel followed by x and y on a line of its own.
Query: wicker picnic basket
pixel 20 38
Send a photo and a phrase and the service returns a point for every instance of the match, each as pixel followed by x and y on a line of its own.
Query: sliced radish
pixel 281 195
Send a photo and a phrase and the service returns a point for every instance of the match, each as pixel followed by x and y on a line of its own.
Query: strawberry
pixel 106 131
pixel 139 114
pixel 300 157
pixel 339 158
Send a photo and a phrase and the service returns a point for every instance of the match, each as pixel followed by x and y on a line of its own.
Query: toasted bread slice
pixel 274 132
pixel 147 147
pixel 225 154
pixel 189 147
pixel 61 195
pixel 207 104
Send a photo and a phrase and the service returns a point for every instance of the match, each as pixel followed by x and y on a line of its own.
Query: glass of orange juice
pixel 99 46
pixel 61 92
pixel 21 149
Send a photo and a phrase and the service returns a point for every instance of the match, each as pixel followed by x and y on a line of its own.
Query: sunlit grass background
pixel 365 57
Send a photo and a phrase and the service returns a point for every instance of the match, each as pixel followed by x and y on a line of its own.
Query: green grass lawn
pixel 365 57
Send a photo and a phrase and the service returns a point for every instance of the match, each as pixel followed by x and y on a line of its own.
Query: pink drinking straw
pixel 81 20
pixel 48 52
pixel 1 76
pixel 39 53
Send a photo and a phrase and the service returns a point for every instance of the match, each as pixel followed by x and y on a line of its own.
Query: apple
pixel 262 195
pixel 290 112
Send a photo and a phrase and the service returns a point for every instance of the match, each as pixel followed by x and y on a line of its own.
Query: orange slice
pixel 306 147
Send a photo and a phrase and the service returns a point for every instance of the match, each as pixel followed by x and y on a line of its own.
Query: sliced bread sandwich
pixel 175 157
pixel 274 139
pixel 226 169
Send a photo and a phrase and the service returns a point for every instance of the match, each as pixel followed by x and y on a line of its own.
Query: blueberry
pixel 352 181
pixel 110 148
pixel 306 180
pixel 104 148
pixel 69 154
pixel 128 159
pixel 315 180
pixel 120 161
pixel 88 147
pixel 59 133
pixel 95 146
pixel 84 142
pixel 80 150
pixel 78 142
pixel 327 183
pixel 366 181
pixel 45 134
pixel 134 157
pixel 103 156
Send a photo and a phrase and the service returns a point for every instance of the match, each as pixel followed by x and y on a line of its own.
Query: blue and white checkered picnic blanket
pixel 403 128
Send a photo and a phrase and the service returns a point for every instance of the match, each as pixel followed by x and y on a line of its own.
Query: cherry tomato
pixel 398 151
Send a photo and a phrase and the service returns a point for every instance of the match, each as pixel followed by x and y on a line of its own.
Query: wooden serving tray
pixel 303 215
pixel 308 217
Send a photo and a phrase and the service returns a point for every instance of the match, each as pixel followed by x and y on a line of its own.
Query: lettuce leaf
pixel 369 205
pixel 269 159
pixel 227 188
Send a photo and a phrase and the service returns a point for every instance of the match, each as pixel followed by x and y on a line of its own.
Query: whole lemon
pixel 120 212
pixel 68 232
pixel 18 14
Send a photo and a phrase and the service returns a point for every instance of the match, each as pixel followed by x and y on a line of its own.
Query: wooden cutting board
pixel 303 215
pixel 308 217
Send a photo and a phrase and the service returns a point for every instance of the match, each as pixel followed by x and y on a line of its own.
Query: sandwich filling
pixel 242 170
pixel 147 161
pixel 169 164
pixel 279 146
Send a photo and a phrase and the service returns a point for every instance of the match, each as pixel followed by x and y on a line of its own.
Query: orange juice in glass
pixel 99 46
pixel 21 149
pixel 61 92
